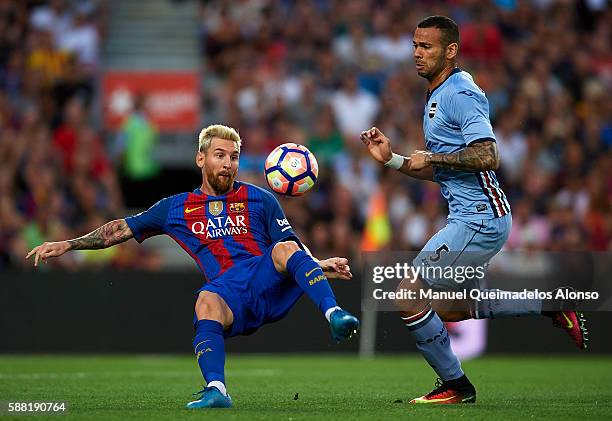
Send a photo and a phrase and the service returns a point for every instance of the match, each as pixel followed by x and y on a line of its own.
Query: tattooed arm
pixel 476 157
pixel 109 234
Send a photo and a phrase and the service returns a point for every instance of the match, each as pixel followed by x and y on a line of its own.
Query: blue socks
pixel 434 343
pixel 309 276
pixel 209 348
pixel 493 308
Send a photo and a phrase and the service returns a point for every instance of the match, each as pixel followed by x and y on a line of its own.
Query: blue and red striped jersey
pixel 216 231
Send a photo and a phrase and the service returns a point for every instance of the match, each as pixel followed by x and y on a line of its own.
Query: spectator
pixel 355 109
pixel 134 148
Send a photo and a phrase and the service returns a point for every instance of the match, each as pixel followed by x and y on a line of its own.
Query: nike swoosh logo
pixel 307 274
pixel 189 210
pixel 423 400
pixel 203 342
pixel 569 322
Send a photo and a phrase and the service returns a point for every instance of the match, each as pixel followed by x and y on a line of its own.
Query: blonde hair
pixel 220 131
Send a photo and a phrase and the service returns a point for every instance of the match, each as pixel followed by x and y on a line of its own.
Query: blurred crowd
pixel 317 73
pixel 56 178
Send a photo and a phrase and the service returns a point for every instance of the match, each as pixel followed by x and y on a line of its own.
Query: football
pixel 291 169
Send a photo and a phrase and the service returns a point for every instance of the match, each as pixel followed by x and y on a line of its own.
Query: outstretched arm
pixel 379 147
pixel 481 156
pixel 109 234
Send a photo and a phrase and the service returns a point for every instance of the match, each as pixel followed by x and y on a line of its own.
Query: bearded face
pixel 219 166
pixel 221 180
pixel 430 52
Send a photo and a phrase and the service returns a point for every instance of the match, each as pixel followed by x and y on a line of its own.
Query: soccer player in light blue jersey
pixel 254 267
pixel 461 155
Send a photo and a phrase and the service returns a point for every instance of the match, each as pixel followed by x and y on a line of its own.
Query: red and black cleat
pixel 572 323
pixel 449 392
pixel 565 317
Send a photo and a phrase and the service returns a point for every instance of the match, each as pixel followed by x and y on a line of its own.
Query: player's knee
pixel 205 309
pixel 210 306
pixel 411 305
pixel 283 250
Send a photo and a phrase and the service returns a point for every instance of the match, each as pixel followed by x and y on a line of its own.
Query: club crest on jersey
pixel 432 109
pixel 215 207
pixel 236 207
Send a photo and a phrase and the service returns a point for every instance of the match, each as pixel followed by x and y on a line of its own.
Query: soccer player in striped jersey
pixel 254 266
pixel 461 155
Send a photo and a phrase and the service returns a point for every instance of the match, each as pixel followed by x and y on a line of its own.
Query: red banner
pixel 172 98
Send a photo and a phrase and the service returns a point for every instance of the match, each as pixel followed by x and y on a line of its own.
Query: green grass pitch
pixel 326 386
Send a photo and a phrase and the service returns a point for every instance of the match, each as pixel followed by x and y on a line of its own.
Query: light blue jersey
pixel 457 115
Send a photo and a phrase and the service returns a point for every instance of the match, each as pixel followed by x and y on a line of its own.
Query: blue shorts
pixel 461 244
pixel 256 293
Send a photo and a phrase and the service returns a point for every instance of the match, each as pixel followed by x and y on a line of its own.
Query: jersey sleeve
pixel 150 222
pixel 471 109
pixel 276 222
